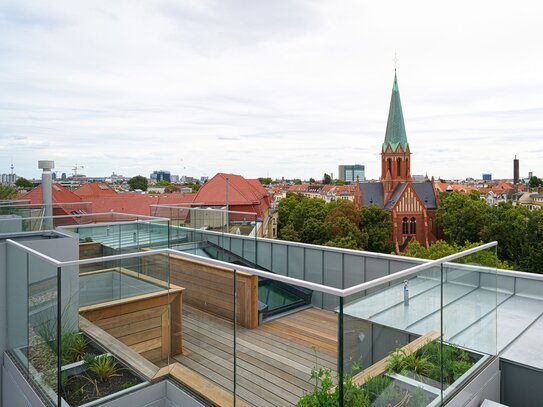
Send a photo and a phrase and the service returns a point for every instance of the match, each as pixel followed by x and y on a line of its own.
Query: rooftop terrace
pixel 242 320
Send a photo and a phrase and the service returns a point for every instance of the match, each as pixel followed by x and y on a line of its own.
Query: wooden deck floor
pixel 274 361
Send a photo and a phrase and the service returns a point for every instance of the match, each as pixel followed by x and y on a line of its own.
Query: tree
pixel 23 183
pixel 163 183
pixel 507 224
pixel 265 181
pixel 326 179
pixel 461 217
pixel 7 192
pixel 342 229
pixel 441 249
pixel 171 189
pixel 535 182
pixel 378 225
pixel 311 180
pixel 138 182
pixel 314 231
pixel 195 186
pixel 289 233
pixel 340 182
pixel 533 254
pixel 344 208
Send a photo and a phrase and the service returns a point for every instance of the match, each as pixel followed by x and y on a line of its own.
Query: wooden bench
pixel 204 387
pixel 379 368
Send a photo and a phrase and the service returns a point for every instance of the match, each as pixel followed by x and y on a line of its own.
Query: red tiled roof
pixel 298 188
pixel 95 189
pixel 136 203
pixel 60 195
pixel 241 193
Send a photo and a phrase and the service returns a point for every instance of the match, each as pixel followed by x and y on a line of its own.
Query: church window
pixel 389 163
pixel 405 229
pixel 413 226
pixel 399 165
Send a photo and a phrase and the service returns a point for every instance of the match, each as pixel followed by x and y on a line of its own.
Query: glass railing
pixel 418 336
pixel 13 223
pixel 29 210
pixel 411 338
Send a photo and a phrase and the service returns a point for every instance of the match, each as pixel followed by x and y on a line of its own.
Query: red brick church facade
pixel 412 205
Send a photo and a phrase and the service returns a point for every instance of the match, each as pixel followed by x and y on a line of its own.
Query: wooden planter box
pixel 150 324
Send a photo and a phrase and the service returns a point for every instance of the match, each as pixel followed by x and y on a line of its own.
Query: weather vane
pixel 395 60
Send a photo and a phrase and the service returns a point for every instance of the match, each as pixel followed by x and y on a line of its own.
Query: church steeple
pixel 395 153
pixel 395 133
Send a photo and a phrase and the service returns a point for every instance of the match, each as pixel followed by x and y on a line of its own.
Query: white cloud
pixel 286 88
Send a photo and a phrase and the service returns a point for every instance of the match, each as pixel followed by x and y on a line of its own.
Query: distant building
pixel 204 179
pixel 412 205
pixel 516 171
pixel 63 176
pixel 161 175
pixel 487 177
pixel 7 179
pixel 174 178
pixel 329 192
pixel 186 179
pixel 349 173
pixel 532 201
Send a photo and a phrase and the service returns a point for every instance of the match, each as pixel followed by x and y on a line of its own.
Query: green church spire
pixel 395 134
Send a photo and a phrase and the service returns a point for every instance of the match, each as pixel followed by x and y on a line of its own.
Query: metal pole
pixel 340 352
pixel 227 207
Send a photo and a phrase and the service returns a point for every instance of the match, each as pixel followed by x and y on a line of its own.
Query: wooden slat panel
pixel 118 349
pixel 119 319
pixel 146 346
pixel 135 337
pixel 138 326
pixel 211 288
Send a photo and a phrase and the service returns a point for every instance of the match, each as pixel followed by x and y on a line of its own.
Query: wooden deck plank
pixel 274 361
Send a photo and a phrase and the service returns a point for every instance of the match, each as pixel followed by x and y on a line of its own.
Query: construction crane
pixel 75 169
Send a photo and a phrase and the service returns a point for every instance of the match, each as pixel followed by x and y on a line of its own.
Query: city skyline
pixel 285 90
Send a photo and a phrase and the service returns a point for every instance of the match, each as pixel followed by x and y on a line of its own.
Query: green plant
pixel 104 367
pixel 395 362
pixel 324 393
pixel 130 383
pixel 89 358
pixel 448 360
pixel 374 386
pixel 73 347
pixel 87 239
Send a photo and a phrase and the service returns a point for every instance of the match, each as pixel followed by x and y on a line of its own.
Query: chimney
pixel 47 192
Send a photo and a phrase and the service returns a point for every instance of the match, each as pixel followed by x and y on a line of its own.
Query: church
pixel 412 205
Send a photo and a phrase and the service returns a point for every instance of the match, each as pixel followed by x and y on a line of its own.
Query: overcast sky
pixel 269 88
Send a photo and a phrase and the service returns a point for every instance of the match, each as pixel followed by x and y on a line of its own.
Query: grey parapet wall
pixel 334 267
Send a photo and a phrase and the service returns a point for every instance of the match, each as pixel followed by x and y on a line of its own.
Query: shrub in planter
pixel 431 361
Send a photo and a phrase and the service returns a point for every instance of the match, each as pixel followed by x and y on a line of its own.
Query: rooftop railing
pixel 13 223
pixel 415 337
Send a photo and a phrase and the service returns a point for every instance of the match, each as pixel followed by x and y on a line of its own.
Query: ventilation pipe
pixel 47 192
